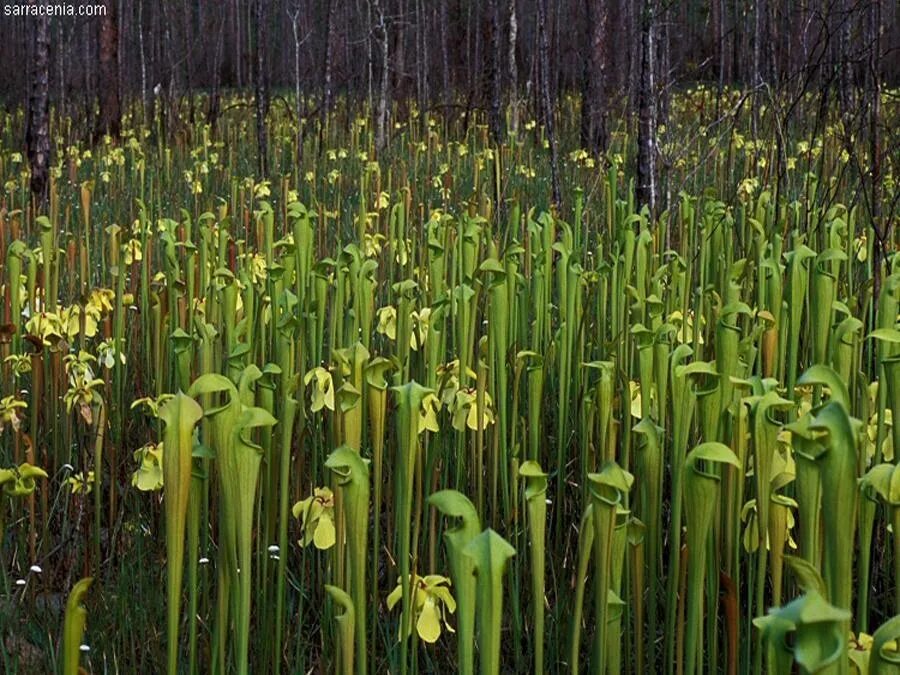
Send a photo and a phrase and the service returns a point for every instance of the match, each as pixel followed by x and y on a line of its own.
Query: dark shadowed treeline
pixel 441 52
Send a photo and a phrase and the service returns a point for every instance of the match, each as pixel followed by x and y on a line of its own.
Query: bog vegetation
pixel 408 415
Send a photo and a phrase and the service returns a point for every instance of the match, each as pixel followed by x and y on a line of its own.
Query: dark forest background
pixel 443 52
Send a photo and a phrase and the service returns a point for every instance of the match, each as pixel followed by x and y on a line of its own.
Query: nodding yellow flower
pixel 323 391
pixel 634 390
pixel 432 601
pixel 108 354
pixel 431 404
pixel 387 322
pixel 21 363
pixel 861 247
pixel 750 516
pixel 152 404
pixel 45 325
pixel 316 514
pixel 464 409
pixel 420 324
pixel 9 415
pixel 258 270
pixel 373 244
pixel 149 474
pixel 19 481
pixel 133 252
pixel 685 328
pixel 78 483
pixel 747 188
pixel 401 250
pixel 261 190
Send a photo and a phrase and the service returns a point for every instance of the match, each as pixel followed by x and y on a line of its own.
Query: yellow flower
pixel 9 405
pixel 323 391
pixel 133 251
pixel 431 603
pixel 428 413
pixel 149 475
pixel 387 322
pixel 316 514
pixel 78 483
pixel 45 325
pixel 465 410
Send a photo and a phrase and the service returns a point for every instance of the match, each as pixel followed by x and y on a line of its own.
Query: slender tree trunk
pixel 513 68
pixel 759 15
pixel 37 131
pixel 844 63
pixel 720 51
pixel 298 106
pixel 594 104
pixel 328 69
pixel 381 121
pixel 212 113
pixel 646 192
pixel 143 57
pixel 327 73
pixel 495 120
pixel 370 59
pixel 445 53
pixel 110 106
pixel 187 32
pixel 546 100
pixel 882 233
pixel 262 94
pixel 61 60
pixel 664 62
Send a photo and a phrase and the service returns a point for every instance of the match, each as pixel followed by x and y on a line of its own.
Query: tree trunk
pixel 882 233
pixel 546 100
pixel 212 113
pixel 262 94
pixel 381 121
pixel 646 191
pixel 298 106
pixel 327 74
pixel 110 121
pixel 495 120
pixel 445 53
pixel 594 106
pixel 327 84
pixel 513 68
pixel 144 98
pixel 37 131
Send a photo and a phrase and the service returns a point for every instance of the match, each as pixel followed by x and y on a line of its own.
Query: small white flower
pixel 20 582
pixel 85 648
pixel 36 569
pixel 273 549
pixel 203 561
